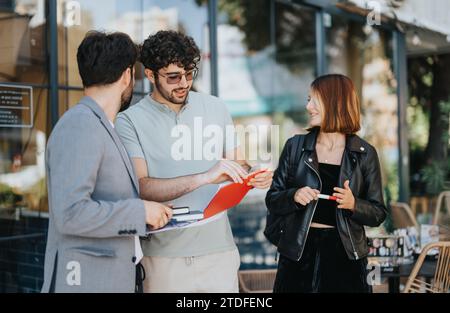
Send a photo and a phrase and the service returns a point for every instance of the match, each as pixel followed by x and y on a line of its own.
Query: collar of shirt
pixel 165 109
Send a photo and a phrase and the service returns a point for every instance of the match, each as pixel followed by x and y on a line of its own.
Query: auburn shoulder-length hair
pixel 339 102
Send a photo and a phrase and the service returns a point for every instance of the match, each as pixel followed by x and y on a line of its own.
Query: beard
pixel 126 97
pixel 171 96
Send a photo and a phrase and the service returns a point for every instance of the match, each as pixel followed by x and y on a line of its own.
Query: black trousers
pixel 323 268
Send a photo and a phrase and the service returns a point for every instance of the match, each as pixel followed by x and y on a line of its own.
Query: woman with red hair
pixel 326 188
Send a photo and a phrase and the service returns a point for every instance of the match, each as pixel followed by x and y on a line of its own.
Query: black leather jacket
pixel 359 164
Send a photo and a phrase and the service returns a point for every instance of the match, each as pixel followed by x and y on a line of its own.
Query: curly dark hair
pixel 169 47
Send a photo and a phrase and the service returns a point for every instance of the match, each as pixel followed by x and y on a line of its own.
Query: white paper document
pixel 180 225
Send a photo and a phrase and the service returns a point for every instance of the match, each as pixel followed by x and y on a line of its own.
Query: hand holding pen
pixel 343 196
pixel 305 195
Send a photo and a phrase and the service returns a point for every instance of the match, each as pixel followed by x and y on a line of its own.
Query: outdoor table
pixel 394 273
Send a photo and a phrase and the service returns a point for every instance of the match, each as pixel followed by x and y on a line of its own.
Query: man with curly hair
pixel 202 258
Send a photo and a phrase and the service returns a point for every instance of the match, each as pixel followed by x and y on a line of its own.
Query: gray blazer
pixel 94 206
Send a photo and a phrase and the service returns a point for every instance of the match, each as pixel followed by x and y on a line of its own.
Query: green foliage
pixel 418 126
pixel 428 122
pixel 434 175
pixel 392 180
pixel 427 79
pixel 445 109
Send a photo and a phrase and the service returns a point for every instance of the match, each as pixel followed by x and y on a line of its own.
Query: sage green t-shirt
pixel 172 145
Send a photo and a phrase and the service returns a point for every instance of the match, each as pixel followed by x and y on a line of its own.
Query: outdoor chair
pixel 443 199
pixel 402 216
pixel 441 280
pixel 251 281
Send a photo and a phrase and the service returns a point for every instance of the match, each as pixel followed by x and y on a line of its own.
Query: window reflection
pixel 23 62
pixel 263 78
pixel 68 98
pixel 137 18
pixel 22 41
pixel 22 163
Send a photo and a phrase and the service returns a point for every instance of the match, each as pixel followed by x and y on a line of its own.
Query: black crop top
pixel 326 209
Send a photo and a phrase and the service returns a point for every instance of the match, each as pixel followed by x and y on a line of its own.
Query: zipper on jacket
pixel 317 201
pixel 355 254
pixel 351 240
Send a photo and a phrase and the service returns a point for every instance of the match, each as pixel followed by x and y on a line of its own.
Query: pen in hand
pixel 327 197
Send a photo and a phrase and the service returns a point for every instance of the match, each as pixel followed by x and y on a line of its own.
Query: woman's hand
pixel 345 197
pixel 305 195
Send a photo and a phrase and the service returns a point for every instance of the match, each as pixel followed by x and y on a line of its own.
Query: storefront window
pixel 23 107
pixel 266 59
pixel 68 98
pixel 22 163
pixel 137 18
pixel 24 129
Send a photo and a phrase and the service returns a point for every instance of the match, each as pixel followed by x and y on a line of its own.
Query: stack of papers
pixel 189 216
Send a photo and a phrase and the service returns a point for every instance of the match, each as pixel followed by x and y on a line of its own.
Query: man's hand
pixel 157 215
pixel 225 170
pixel 262 180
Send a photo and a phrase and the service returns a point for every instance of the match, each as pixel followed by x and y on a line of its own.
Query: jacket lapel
pixel 347 166
pixel 91 104
pixel 310 147
pixel 353 147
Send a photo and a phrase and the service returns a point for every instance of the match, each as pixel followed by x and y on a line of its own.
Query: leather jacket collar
pixel 352 143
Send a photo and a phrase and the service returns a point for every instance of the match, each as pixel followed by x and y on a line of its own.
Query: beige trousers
pixel 216 272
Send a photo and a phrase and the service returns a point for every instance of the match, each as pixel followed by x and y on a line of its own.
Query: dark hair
pixel 168 47
pixel 102 57
pixel 339 102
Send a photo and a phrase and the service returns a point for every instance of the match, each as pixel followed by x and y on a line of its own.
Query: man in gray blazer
pixel 95 213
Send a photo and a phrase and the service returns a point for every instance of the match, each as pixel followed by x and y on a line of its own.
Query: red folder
pixel 229 196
